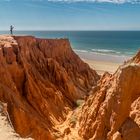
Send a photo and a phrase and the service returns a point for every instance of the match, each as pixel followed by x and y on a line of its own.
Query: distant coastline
pixel 111 43
pixel 109 46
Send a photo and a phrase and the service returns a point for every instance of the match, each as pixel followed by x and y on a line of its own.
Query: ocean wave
pixel 106 51
pixel 99 51
pixel 83 51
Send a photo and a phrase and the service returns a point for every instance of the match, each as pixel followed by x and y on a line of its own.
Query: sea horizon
pixel 114 46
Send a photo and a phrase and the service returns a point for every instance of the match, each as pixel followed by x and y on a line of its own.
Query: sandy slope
pixel 6 132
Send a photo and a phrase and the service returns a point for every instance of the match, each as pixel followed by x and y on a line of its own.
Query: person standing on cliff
pixel 11 30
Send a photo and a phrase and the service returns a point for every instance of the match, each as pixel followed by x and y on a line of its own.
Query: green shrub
pixel 79 102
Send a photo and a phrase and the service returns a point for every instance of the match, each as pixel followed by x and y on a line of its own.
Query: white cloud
pixel 97 1
pixel 101 1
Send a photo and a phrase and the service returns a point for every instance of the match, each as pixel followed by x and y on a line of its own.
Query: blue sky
pixel 70 14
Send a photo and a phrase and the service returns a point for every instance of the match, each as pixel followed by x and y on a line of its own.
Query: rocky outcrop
pixel 40 80
pixel 6 128
pixel 112 112
pixel 135 59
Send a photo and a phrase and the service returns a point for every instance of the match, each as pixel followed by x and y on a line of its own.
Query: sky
pixel 70 14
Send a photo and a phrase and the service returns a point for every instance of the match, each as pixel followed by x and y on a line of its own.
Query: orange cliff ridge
pixel 52 94
pixel 41 80
pixel 112 111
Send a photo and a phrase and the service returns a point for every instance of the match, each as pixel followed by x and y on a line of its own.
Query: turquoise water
pixel 121 43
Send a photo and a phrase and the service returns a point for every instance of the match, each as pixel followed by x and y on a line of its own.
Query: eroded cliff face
pixel 112 112
pixel 40 80
pixel 135 59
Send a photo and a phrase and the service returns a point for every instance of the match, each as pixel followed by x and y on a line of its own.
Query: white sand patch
pixel 7 41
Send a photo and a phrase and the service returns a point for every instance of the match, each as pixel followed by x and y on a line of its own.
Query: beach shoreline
pixel 102 62
pixel 102 66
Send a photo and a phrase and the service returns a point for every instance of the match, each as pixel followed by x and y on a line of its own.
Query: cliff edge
pixel 41 80
pixel 112 112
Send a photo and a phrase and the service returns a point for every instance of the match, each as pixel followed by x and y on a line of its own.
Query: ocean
pixel 119 45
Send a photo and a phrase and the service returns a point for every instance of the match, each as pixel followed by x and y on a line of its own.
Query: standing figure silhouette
pixel 11 30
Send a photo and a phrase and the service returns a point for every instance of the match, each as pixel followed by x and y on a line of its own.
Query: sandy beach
pixel 102 66
pixel 102 62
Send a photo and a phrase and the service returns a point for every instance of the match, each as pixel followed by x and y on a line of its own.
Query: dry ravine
pixel 51 94
pixel 41 80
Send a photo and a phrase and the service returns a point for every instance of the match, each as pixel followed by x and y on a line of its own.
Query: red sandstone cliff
pixel 41 79
pixel 112 112
pixel 135 59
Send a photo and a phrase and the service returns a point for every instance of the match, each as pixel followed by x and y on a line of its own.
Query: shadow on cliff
pixel 41 80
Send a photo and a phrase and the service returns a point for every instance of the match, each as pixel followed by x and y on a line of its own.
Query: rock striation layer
pixel 6 128
pixel 40 80
pixel 112 112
